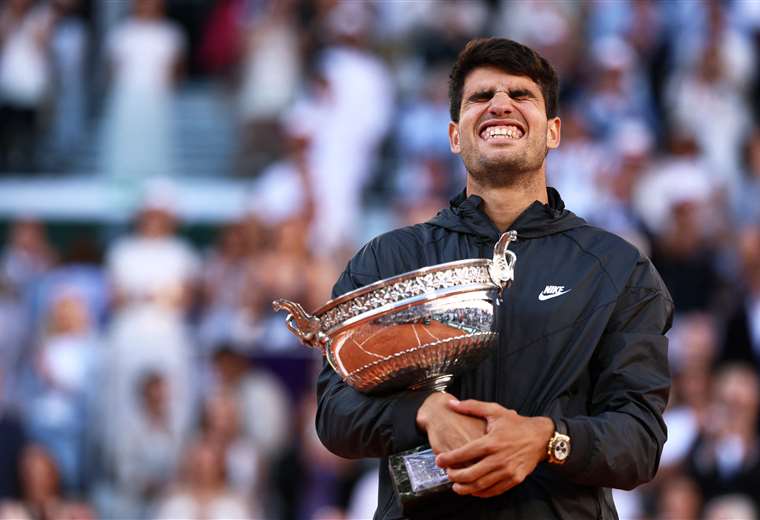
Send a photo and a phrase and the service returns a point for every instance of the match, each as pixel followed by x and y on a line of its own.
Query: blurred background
pixel 168 168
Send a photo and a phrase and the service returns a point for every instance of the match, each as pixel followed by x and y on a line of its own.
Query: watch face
pixel 561 450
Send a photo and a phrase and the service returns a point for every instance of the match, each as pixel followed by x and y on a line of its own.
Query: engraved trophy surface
pixel 416 330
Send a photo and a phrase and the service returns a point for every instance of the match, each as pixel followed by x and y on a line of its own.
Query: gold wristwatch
pixel 558 449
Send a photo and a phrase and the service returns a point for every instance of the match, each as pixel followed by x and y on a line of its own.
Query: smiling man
pixel 570 404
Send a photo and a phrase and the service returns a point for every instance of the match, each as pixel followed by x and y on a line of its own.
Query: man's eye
pixel 481 96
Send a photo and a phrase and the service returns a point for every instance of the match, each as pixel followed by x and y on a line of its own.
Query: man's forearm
pixel 353 425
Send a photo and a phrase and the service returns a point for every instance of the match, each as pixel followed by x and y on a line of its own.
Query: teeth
pixel 509 131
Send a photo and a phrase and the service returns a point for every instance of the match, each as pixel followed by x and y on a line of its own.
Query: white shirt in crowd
pixel 143 54
pixel 140 267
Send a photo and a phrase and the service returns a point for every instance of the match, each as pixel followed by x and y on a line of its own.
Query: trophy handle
pixel 302 324
pixel 502 268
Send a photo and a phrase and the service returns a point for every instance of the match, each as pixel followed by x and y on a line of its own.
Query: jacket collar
pixel 465 215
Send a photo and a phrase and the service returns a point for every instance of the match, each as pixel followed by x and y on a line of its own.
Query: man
pixel 581 362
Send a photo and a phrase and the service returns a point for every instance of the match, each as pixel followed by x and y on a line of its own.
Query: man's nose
pixel 501 103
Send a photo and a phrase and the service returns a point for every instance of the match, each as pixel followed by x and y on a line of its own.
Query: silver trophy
pixel 412 331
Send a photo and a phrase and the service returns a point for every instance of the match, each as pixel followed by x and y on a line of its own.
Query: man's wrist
pixel 544 432
pixel 425 411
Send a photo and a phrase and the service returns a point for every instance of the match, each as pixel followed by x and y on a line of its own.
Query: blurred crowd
pixel 143 375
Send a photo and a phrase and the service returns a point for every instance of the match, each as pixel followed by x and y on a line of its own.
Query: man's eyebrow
pixel 482 92
pixel 520 91
pixel 489 92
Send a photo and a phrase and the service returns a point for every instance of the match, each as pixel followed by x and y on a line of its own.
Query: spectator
pixel 42 499
pixel 271 71
pixel 61 390
pixel 707 86
pixel 220 46
pixel 16 329
pixel 153 273
pixel 291 269
pixel 692 352
pixel 285 189
pixel 150 451
pixel 552 28
pixel 577 168
pixel 25 81
pixel 224 286
pixel 618 92
pixel 261 401
pixel 679 499
pixel 742 334
pixel 427 169
pixel 154 267
pixel 309 481
pixel 724 459
pixel 632 147
pixel 81 268
pixel 675 199
pixel 145 56
pixel 27 256
pixel 242 459
pixel 203 490
pixel 68 48
pixel 345 130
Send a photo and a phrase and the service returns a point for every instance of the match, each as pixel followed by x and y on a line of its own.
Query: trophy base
pixel 416 477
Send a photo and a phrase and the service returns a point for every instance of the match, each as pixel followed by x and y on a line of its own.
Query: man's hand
pixel 446 428
pixel 510 451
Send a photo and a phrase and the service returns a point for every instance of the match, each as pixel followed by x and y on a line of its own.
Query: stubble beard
pixel 512 170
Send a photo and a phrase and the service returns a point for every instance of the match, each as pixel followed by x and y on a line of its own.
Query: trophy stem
pixel 437 383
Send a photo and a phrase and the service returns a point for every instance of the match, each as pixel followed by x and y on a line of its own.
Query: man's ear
pixel 454 137
pixel 553 133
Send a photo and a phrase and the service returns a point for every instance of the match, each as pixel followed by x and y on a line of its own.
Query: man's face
pixel 503 130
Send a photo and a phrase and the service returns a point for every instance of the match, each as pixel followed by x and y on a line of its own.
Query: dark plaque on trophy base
pixel 415 474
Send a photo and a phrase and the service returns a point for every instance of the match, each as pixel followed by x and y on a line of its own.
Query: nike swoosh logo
pixel 543 297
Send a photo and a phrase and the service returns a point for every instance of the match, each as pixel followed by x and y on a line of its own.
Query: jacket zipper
pixel 499 394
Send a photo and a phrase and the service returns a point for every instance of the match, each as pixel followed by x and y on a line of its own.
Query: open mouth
pixel 497 130
pixel 501 133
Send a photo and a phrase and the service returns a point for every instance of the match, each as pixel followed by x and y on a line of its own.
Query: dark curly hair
pixel 512 58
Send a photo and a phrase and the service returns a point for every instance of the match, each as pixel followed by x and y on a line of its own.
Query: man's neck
pixel 503 204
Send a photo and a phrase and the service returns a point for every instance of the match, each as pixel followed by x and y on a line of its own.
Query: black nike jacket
pixel 581 339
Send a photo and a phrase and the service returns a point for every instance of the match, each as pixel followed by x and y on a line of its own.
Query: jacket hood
pixel 466 216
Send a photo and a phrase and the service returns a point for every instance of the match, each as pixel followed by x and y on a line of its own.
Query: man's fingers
pixel 485 479
pixel 474 407
pixel 472 473
pixel 474 450
pixel 488 483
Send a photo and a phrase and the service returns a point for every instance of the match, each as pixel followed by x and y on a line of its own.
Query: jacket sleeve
pixel 619 443
pixel 352 424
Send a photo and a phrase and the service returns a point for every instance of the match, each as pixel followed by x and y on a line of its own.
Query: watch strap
pixel 560 426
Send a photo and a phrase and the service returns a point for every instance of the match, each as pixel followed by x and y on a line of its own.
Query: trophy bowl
pixel 414 330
